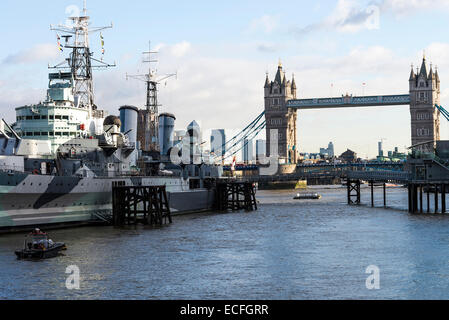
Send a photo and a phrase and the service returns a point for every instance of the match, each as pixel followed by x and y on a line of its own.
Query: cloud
pixel 180 49
pixel 347 16
pixel 38 53
pixel 405 7
pixel 266 24
pixel 267 47
pixel 353 16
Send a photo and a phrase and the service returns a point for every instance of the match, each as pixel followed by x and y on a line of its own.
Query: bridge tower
pixel 425 118
pixel 281 118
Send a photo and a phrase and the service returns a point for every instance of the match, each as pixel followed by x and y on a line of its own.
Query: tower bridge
pixel 282 105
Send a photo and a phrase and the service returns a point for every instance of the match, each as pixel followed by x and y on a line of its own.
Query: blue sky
pixel 222 50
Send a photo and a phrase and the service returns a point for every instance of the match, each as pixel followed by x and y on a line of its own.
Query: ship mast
pixel 81 61
pixel 152 81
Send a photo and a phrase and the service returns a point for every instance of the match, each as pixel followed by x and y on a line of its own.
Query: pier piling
pixel 236 196
pixel 353 191
pixel 140 204
pixel 436 198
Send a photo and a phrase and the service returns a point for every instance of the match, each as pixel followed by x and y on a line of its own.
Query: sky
pixel 222 50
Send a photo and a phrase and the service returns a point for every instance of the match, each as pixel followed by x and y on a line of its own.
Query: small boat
pixel 307 196
pixel 38 245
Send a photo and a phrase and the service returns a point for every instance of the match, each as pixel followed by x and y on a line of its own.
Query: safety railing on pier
pixel 380 175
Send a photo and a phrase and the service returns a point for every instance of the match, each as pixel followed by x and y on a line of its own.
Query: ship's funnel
pixel 128 117
pixel 166 132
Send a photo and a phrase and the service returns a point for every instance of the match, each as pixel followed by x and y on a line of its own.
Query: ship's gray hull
pixel 27 200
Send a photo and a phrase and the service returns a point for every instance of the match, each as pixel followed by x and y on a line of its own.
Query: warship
pixel 61 158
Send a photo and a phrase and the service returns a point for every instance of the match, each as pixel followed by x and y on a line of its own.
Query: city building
pixel 329 151
pixel 178 136
pixel 393 156
pixel 247 151
pixel 381 149
pixel 261 149
pixel 279 117
pixel 217 142
pixel 348 156
pixel 195 142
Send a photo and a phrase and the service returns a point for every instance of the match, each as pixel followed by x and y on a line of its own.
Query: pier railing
pixel 380 175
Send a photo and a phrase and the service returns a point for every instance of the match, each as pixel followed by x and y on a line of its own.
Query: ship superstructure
pixel 69 110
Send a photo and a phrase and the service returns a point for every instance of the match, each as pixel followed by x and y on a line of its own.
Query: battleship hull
pixel 32 200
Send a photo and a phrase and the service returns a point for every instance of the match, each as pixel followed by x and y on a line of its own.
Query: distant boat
pixel 393 185
pixel 307 196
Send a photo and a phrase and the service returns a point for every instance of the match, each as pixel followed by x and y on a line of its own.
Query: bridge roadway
pixel 304 167
pixel 349 101
pixel 375 175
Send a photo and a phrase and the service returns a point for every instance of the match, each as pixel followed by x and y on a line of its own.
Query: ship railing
pixel 13 168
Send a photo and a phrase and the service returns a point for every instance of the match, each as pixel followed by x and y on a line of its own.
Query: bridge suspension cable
pixel 244 134
pixel 443 111
pixel 246 139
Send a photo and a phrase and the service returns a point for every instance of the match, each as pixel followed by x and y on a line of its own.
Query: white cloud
pixel 181 49
pixel 347 16
pixel 38 53
pixel 266 24
pixel 404 7
pixel 353 16
pixel 267 47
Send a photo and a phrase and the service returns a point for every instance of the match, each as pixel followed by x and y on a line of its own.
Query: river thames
pixel 288 249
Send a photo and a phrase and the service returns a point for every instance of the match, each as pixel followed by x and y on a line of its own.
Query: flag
pixel 102 43
pixel 234 160
pixel 59 43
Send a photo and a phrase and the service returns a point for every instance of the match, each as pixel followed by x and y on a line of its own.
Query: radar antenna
pixel 152 81
pixel 81 61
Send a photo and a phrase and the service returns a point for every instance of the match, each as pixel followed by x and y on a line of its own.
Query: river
pixel 288 249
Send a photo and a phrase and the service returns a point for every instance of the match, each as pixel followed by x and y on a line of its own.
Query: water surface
pixel 288 249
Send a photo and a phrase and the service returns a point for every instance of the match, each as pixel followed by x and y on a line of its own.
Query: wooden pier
pixel 416 199
pixel 138 204
pixel 353 191
pixel 236 196
pixel 374 178
pixel 419 191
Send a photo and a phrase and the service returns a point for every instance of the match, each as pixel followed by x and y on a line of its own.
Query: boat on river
pixel 307 196
pixel 38 245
